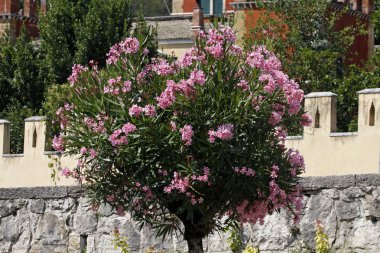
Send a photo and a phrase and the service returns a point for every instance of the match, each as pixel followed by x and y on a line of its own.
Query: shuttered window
pixel 205 6
pixel 218 7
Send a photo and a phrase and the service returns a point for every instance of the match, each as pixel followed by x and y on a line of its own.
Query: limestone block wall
pixel 60 219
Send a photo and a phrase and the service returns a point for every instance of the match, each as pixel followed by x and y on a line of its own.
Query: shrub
pixel 186 142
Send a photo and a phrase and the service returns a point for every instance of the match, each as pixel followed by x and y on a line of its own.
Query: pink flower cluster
pixel 249 172
pixel 150 111
pixel 58 143
pixel 92 152
pixel 128 46
pixel 243 84
pixel 76 70
pixel 306 120
pixel 178 183
pixel 120 136
pixel 63 120
pixel 216 40
pixel 191 56
pixel 97 125
pixel 135 111
pixel 224 132
pixel 161 67
pixel 274 78
pixel 182 185
pixel 295 159
pixel 186 87
pixel 256 211
pixel 167 97
pixel 187 134
pixel 114 86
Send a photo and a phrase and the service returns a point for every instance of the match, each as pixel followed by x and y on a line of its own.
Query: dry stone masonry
pixel 60 219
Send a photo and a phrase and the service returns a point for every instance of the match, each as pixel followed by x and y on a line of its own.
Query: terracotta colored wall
pixel 359 51
pixel 9 6
pixel 188 5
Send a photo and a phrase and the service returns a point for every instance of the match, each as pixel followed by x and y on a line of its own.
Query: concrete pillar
pixel 369 109
pixel 322 107
pixel 4 137
pixel 35 137
pixel 197 21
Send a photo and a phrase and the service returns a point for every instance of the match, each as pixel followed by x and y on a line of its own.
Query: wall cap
pixel 369 91
pixel 344 134
pixel 308 184
pixel 36 119
pixel 3 121
pixel 297 137
pixel 320 94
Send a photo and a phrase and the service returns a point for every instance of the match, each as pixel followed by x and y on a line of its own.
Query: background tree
pixel 22 81
pixel 81 30
pixel 314 51
pixel 152 8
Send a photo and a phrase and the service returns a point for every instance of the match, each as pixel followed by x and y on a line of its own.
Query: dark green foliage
pixel 22 84
pixel 315 52
pixel 16 114
pixel 376 22
pixel 152 8
pixel 81 30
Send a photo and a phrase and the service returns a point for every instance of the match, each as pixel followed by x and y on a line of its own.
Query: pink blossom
pixel 178 183
pixel 306 120
pixel 77 69
pixel 128 128
pixel 83 150
pixel 93 153
pixel 191 56
pixel 243 84
pixel 58 143
pixel 167 97
pixel 275 170
pixel 249 172
pixel 127 86
pixel 117 139
pixel 150 110
pixel 228 33
pixel 275 118
pixel 173 126
pixel 235 50
pixel 146 51
pixel 161 67
pixel 135 111
pixel 295 159
pixel 66 172
pixel 198 77
pixel 216 51
pixel 187 134
pixel 280 134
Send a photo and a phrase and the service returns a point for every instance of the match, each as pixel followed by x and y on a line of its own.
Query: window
pixel 213 7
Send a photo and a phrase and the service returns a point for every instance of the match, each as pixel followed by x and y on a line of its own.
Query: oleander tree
pixel 194 145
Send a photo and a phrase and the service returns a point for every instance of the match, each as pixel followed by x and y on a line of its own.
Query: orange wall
pixel 188 5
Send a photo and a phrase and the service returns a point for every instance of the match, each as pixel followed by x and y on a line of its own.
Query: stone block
pixel 37 206
pixel 347 210
pixel 51 230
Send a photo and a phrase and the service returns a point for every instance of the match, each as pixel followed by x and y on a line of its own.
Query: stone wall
pixel 59 219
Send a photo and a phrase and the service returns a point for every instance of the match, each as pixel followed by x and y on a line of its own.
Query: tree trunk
pixel 195 245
